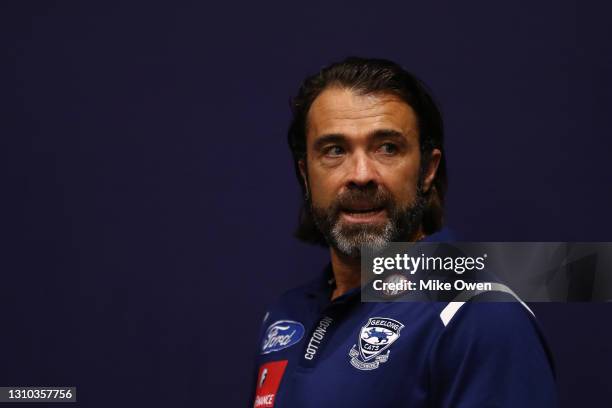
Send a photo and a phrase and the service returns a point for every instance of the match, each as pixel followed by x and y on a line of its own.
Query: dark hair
pixel 369 76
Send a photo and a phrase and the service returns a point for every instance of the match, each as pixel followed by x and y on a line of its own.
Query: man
pixel 367 141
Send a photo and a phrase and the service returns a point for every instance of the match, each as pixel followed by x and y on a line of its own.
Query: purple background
pixel 148 196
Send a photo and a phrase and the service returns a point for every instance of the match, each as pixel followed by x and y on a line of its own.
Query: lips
pixel 363 210
pixel 359 206
pixel 363 215
pixel 364 206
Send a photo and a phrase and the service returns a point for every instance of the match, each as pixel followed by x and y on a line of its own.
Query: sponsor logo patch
pixel 374 338
pixel 281 334
pixel 268 380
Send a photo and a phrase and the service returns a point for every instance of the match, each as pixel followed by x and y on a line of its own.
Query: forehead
pixel 343 111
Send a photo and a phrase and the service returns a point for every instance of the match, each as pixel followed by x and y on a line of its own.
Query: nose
pixel 362 171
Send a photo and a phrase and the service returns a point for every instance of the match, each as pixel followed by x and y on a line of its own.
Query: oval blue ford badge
pixel 282 334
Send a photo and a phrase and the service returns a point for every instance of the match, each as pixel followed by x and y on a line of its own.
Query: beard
pixel 402 222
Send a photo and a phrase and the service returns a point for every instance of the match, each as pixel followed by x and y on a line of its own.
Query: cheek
pixel 402 184
pixel 322 192
pixel 324 187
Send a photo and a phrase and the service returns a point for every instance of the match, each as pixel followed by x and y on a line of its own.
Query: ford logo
pixel 282 334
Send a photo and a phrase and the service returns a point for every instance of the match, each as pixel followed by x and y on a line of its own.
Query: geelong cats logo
pixel 374 338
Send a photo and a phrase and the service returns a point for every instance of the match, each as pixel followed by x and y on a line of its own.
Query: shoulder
pixel 492 321
pixel 292 303
pixel 488 309
pixel 492 353
pixel 492 335
pixel 298 294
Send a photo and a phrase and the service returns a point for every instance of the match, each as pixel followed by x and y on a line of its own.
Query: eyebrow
pixel 341 138
pixel 386 134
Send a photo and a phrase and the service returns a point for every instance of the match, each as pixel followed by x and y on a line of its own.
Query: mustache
pixel 361 199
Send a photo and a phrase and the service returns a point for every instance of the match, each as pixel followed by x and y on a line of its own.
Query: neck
pixel 346 272
pixel 347 269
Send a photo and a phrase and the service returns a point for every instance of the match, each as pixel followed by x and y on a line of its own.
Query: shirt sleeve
pixel 492 354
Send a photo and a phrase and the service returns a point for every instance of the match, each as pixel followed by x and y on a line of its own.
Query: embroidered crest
pixel 374 338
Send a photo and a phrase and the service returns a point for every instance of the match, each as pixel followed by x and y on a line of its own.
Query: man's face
pixel 363 169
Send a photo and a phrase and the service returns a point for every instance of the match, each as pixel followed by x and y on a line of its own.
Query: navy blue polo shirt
pixel 314 352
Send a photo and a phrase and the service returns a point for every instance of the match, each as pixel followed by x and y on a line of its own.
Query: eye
pixel 334 151
pixel 388 148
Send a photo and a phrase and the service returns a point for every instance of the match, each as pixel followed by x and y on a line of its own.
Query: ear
pixel 303 172
pixel 432 168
